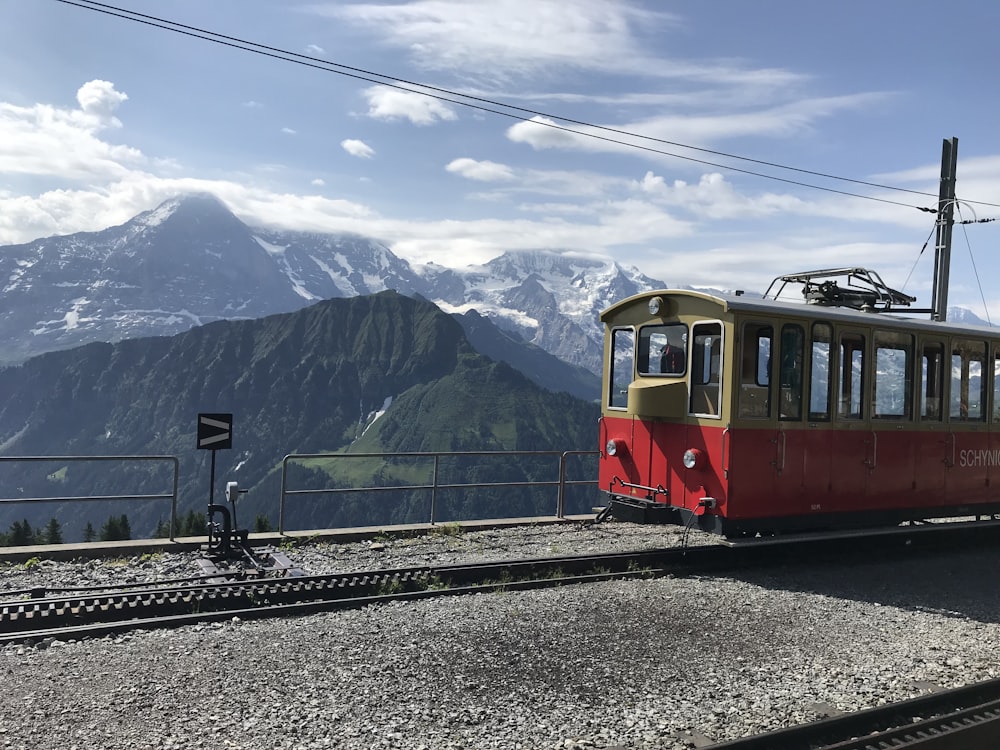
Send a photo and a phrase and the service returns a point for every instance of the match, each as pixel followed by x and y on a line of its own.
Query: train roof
pixel 744 303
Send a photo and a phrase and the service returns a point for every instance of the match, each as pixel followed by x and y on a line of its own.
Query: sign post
pixel 215 432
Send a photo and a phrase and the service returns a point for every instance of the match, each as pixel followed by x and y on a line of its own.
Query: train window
pixel 820 367
pixel 755 371
pixel 851 376
pixel 663 349
pixel 790 375
pixel 706 368
pixel 893 375
pixel 932 381
pixel 620 369
pixel 968 384
pixel 996 385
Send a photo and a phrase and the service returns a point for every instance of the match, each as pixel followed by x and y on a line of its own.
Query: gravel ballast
pixel 663 663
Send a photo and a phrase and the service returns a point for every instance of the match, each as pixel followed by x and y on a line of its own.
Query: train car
pixel 745 417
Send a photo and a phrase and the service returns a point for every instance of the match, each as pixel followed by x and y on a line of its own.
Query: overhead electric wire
pixel 919 255
pixel 972 258
pixel 395 82
pixel 176 26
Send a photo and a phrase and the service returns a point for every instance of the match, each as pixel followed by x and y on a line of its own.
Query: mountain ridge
pixel 308 381
pixel 191 261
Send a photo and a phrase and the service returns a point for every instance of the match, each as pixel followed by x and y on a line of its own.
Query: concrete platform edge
pixel 137 547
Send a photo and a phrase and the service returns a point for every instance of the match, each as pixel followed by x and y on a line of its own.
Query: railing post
pixel 434 487
pixel 173 501
pixel 561 498
pixel 281 496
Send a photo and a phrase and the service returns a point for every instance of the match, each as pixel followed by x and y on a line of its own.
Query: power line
pixel 476 102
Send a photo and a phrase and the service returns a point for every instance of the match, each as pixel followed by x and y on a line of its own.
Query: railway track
pixel 172 605
pixel 966 718
pixel 158 605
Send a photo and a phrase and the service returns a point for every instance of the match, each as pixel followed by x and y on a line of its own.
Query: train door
pixel 789 482
pixel 933 442
pixel 892 458
pixel 817 436
pixel 705 432
pixel 853 442
pixel 753 442
pixel 619 464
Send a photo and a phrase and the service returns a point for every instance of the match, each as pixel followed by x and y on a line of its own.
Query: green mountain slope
pixel 304 382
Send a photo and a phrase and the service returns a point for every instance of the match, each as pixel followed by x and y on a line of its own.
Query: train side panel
pixel 795 417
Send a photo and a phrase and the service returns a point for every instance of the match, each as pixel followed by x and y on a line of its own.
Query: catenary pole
pixel 945 222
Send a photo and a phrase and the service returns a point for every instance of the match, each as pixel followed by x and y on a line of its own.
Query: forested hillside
pixel 303 382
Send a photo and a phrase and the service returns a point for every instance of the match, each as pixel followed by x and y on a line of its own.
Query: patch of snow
pixel 374 416
pixel 374 283
pixel 336 277
pixel 275 250
pixel 487 309
pixel 72 317
pixel 278 252
pixel 344 263
pixel 15 277
pixel 158 215
pixel 170 317
pixel 9 442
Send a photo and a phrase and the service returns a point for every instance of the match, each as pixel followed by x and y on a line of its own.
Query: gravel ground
pixel 634 664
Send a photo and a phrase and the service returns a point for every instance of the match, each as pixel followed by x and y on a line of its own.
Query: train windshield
pixel 663 350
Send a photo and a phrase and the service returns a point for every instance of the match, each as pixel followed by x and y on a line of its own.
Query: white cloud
pixel 43 140
pixel 525 38
pixel 703 230
pixel 24 218
pixel 392 104
pixel 665 133
pixel 510 36
pixel 357 148
pixel 486 171
pixel 251 104
pixel 314 50
pixel 713 197
pixel 289 131
pixel 99 100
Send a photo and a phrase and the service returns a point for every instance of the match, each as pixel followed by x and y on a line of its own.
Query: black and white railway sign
pixel 215 431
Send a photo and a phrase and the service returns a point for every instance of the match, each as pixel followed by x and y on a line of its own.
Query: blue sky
pixel 101 118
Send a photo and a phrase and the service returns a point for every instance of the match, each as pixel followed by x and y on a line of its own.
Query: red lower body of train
pixel 747 481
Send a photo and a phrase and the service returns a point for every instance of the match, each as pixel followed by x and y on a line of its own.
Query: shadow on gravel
pixel 957 583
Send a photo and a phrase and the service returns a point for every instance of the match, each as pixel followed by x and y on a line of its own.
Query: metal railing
pixel 172 496
pixel 560 482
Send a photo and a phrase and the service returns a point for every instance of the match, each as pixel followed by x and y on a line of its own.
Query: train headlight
pixel 614 447
pixel 693 458
pixel 655 305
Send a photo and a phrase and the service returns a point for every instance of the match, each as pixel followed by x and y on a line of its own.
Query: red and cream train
pixel 745 416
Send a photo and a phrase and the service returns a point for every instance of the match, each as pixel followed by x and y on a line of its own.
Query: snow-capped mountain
pixel 190 261
pixel 552 300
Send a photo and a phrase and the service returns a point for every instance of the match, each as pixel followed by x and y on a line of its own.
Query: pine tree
pixel 262 524
pixel 116 529
pixel 162 529
pixel 193 524
pixel 52 533
pixel 88 533
pixel 20 534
